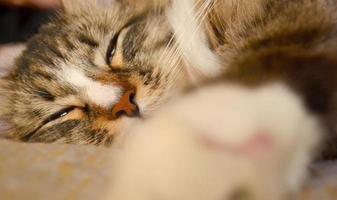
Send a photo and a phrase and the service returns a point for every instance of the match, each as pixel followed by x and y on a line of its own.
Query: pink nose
pixel 126 106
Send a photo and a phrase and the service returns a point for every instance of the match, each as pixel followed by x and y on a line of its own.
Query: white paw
pixel 267 121
pixel 216 141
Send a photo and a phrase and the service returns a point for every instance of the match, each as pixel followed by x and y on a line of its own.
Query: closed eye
pixel 62 113
pixel 112 48
pixel 114 44
pixel 114 55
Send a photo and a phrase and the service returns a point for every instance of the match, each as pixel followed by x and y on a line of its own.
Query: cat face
pixel 88 75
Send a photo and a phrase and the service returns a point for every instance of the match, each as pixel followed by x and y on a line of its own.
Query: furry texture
pixel 278 68
pixel 186 153
pixel 280 77
pixel 187 20
pixel 289 41
pixel 78 40
pixel 257 42
pixel 147 59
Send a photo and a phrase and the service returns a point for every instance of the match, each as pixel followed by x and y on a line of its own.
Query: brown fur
pixel 293 42
pixel 260 41
pixel 79 37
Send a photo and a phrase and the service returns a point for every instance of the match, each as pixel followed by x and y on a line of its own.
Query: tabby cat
pixel 102 65
pixel 99 61
pixel 88 75
pixel 235 69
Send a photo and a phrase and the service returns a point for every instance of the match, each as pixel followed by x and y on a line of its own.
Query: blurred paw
pixel 268 122
pixel 216 142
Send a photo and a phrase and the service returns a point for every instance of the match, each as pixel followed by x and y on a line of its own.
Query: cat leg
pixel 219 142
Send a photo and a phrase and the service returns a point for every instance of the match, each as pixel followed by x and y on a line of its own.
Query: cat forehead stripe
pixel 98 93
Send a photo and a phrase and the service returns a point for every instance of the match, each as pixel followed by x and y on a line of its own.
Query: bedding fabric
pixel 54 172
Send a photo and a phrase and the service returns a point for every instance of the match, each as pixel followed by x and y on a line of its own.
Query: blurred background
pixel 20 19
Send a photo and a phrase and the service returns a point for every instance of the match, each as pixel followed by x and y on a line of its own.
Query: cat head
pixel 90 73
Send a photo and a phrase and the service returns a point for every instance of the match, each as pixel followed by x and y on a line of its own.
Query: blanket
pixel 54 172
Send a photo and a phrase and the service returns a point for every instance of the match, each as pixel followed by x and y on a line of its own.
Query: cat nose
pixel 126 106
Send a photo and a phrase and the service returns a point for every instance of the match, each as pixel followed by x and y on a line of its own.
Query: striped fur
pixel 242 40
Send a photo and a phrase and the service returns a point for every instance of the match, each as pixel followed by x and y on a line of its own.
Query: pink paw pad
pixel 256 145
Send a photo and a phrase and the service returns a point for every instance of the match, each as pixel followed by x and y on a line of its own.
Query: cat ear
pixel 4 108
pixel 8 54
pixel 5 126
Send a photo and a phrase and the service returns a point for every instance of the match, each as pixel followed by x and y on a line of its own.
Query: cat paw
pixel 217 140
pixel 268 122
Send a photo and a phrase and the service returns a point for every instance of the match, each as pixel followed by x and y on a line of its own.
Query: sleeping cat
pixel 87 77
pixel 96 69
pixel 102 65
